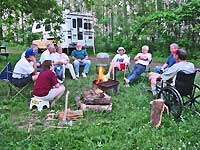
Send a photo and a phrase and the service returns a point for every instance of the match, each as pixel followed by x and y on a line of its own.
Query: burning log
pixel 96 97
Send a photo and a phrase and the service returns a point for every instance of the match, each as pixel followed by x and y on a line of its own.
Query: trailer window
pixel 38 26
pixel 74 23
pixel 47 27
pixel 87 26
pixel 79 21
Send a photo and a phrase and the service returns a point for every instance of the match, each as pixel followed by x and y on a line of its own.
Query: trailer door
pixel 80 29
pixel 74 30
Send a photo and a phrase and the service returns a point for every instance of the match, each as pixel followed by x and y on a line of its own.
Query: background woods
pixel 130 23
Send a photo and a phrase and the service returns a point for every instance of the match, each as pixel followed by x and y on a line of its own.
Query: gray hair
pixel 174 45
pixel 50 45
pixel 145 47
pixel 34 45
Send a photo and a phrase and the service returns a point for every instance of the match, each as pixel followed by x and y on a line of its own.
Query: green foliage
pixel 17 16
pixel 168 26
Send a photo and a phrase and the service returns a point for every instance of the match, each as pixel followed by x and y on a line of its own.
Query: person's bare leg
pixel 62 90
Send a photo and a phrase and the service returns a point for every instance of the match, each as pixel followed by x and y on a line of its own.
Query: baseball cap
pixel 121 48
pixel 30 52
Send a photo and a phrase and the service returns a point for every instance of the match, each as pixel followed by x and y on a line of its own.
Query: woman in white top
pixel 62 59
pixel 118 60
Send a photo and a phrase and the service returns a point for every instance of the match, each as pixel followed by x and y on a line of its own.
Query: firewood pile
pixel 96 99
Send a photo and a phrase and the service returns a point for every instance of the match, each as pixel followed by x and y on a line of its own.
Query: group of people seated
pixel 48 73
pixel 53 62
pixel 176 62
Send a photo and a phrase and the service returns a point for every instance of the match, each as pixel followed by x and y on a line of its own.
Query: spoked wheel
pixel 172 99
pixel 194 99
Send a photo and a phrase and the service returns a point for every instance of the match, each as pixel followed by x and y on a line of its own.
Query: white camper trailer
pixel 77 27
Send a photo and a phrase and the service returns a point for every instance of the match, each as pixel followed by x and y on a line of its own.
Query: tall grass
pixel 127 127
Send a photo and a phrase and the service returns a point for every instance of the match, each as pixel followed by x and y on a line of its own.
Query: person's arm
pixel 34 66
pixel 73 55
pixel 143 57
pixel 74 58
pixel 86 55
pixel 126 59
pixel 170 73
pixel 164 66
pixel 137 57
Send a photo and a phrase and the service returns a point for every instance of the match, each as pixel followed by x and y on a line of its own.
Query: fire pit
pixel 105 84
pixel 109 87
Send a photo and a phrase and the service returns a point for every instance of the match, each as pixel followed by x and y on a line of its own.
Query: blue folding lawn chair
pixel 6 75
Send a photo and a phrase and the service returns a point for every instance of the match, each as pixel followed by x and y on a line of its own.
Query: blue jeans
pixel 137 70
pixel 85 63
pixel 157 69
pixel 59 71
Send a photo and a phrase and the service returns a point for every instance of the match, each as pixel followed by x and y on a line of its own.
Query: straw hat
pixel 120 48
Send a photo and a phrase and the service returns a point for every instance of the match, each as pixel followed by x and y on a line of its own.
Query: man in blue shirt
pixel 170 60
pixel 80 57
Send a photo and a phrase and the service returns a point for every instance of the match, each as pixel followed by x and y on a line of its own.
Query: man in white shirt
pixel 61 58
pixel 47 54
pixel 25 69
pixel 141 61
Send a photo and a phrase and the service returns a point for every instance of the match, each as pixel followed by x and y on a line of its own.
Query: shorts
pixel 21 82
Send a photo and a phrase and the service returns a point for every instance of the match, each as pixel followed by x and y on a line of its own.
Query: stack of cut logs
pixel 96 99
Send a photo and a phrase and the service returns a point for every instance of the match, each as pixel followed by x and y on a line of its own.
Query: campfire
pixel 105 84
pixel 98 98
pixel 101 75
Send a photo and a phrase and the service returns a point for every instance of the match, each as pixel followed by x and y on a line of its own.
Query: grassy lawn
pixel 127 127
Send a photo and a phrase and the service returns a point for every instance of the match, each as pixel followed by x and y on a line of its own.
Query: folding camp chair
pixel 123 67
pixel 6 75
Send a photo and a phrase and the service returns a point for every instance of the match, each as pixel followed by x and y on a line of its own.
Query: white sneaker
pixel 77 76
pixel 60 81
pixel 107 75
pixel 126 80
pixel 84 75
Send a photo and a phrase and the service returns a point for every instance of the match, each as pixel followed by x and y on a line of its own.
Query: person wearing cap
pixel 25 69
pixel 170 60
pixel 119 58
pixel 180 65
pixel 33 46
pixel 142 60
pixel 80 57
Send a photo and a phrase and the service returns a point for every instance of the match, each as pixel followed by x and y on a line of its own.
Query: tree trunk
pixel 1 27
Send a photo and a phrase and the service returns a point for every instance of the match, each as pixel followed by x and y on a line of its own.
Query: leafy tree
pixel 18 14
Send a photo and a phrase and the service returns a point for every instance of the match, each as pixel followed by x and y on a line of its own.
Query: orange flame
pixel 101 75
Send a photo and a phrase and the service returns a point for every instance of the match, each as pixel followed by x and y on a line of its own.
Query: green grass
pixel 127 127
